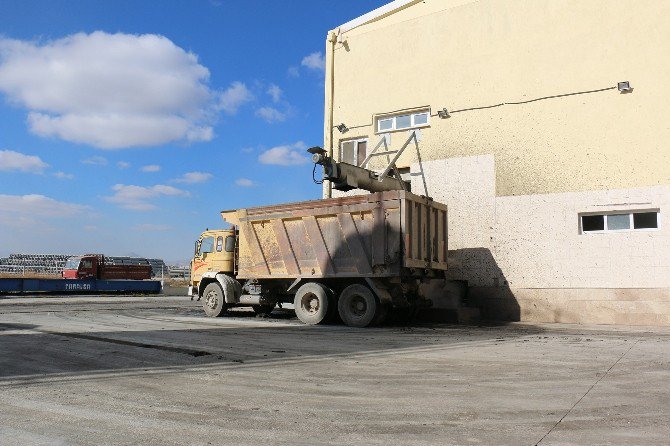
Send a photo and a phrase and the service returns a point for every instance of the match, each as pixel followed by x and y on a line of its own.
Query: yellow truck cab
pixel 214 253
pixel 213 271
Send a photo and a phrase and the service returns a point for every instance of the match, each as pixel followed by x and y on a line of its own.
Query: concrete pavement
pixel 154 370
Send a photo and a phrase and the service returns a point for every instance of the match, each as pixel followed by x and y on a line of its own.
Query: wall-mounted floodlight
pixel 624 87
pixel 444 113
pixel 342 128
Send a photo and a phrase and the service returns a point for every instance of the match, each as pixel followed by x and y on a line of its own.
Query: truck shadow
pixel 31 354
pixel 488 288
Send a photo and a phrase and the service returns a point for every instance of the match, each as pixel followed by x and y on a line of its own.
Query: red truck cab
pixel 80 268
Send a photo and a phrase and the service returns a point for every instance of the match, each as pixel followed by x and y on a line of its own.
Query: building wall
pixel 468 54
pixel 517 176
pixel 526 259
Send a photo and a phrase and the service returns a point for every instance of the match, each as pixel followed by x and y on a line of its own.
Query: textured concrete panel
pixel 632 306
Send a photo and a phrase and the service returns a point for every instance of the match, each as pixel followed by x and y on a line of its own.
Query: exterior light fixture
pixel 444 113
pixel 342 128
pixel 624 87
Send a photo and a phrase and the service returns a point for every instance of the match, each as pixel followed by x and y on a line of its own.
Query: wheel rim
pixel 211 300
pixel 358 306
pixel 310 303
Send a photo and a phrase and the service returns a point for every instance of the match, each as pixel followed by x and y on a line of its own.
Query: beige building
pixel 557 178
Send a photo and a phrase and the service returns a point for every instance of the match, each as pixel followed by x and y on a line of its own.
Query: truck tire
pixel 357 306
pixel 213 301
pixel 263 309
pixel 311 303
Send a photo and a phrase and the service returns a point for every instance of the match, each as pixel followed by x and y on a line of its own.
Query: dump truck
pixel 97 266
pixel 354 256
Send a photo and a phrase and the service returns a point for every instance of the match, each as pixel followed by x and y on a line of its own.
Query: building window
pixel 403 122
pixel 353 151
pixel 620 221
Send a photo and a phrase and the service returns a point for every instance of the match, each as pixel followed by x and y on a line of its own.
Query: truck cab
pixel 83 267
pixel 214 253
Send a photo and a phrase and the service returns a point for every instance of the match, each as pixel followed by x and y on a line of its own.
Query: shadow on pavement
pixel 29 353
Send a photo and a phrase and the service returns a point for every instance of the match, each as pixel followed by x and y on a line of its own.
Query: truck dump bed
pixel 374 235
pixel 123 268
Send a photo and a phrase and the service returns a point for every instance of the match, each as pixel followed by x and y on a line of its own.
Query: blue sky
pixel 125 126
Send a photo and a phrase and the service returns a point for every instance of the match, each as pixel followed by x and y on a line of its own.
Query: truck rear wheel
pixel 357 306
pixel 311 303
pixel 213 301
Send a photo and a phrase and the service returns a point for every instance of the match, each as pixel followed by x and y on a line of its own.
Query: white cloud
pixel 315 61
pixel 247 149
pixel 123 164
pixel 95 161
pixel 269 114
pixel 244 182
pixel 63 176
pixel 137 198
pixel 109 90
pixel 11 160
pixel 151 168
pixel 293 72
pixel 193 177
pixel 149 227
pixel 234 97
pixel 275 92
pixel 20 210
pixel 288 155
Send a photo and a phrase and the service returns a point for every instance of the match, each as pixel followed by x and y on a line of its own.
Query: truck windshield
pixel 72 263
pixel 207 245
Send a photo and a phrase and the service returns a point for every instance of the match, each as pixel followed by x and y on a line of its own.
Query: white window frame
pixel 394 117
pixel 356 141
pixel 631 227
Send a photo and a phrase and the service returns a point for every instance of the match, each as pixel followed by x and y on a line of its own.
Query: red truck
pixel 97 266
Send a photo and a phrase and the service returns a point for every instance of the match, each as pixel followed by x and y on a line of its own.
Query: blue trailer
pixel 78 286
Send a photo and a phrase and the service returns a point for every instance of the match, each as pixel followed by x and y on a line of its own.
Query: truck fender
pixel 232 290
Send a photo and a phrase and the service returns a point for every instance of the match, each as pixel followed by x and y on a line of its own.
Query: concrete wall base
pixel 621 306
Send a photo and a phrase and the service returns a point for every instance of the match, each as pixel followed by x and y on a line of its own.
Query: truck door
pixel 87 268
pixel 200 263
pixel 222 257
pixel 214 252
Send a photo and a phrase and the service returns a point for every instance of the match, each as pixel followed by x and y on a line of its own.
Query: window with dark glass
pixel 219 244
pixel 593 223
pixel 645 220
pixel 230 243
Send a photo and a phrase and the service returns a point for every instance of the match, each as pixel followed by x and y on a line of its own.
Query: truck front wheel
pixel 311 303
pixel 213 301
pixel 357 306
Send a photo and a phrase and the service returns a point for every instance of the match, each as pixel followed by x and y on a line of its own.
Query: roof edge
pixel 376 14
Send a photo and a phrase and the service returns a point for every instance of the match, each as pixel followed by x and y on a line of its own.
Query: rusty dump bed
pixel 374 235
